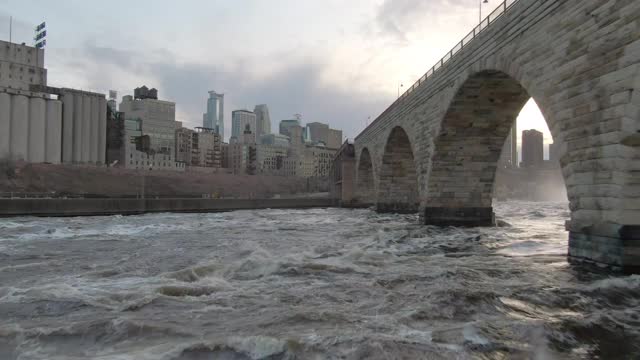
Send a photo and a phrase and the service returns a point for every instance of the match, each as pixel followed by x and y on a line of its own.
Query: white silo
pixel 67 127
pixel 5 125
pixel 54 132
pixel 19 127
pixel 37 126
pixel 94 129
pixel 102 131
pixel 86 129
pixel 77 127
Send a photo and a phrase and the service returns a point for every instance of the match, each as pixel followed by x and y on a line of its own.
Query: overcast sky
pixel 332 61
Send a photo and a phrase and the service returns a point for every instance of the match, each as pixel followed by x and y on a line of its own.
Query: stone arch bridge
pixel 435 149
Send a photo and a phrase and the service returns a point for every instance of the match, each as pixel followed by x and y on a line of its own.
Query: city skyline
pixel 296 71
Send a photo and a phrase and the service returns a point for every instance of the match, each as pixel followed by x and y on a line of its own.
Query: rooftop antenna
pixel 10 27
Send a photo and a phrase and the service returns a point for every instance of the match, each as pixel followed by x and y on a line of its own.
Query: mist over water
pixel 306 284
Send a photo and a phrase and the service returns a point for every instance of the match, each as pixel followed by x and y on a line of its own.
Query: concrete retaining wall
pixel 82 207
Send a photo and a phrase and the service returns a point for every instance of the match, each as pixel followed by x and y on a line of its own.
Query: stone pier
pixel 436 148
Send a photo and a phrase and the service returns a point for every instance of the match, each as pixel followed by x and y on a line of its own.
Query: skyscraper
pixel 317 132
pixel 214 117
pixel 532 150
pixel 239 121
pixel 286 124
pixel 514 145
pixel 509 154
pixel 554 152
pixel 263 121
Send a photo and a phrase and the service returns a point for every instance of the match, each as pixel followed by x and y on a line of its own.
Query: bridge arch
pixel 398 179
pixel 467 148
pixel 586 81
pixel 365 179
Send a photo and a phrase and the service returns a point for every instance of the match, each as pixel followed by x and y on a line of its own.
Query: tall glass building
pixel 240 119
pixel 214 117
pixel 263 120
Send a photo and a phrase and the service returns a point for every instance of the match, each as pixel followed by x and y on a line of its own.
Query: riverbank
pixel 113 182
pixel 95 207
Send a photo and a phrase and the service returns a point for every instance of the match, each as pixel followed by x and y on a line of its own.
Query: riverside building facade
pixel 150 131
pixel 39 123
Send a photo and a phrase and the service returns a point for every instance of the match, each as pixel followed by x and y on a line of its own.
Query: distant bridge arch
pixel 397 179
pixel 365 179
pixel 467 146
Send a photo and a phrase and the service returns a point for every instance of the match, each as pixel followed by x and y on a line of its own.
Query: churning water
pixel 306 284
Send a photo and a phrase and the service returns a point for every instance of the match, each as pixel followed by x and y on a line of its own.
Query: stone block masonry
pixel 438 145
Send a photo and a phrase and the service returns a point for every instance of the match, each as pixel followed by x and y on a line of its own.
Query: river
pixel 307 284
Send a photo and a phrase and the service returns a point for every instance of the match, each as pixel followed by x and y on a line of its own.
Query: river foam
pixel 306 284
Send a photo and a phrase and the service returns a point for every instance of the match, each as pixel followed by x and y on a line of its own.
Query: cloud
pixel 295 86
pixel 21 30
pixel 398 18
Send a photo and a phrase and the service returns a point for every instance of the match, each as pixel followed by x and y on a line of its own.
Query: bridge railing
pixel 485 23
pixel 499 11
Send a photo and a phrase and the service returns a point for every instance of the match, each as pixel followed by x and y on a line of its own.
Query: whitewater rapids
pixel 307 284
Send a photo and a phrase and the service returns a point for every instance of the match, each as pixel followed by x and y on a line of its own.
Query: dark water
pixel 306 284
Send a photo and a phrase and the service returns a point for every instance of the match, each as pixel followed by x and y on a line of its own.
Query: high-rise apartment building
pixel 239 121
pixel 184 145
pixel 532 148
pixel 263 120
pixel 206 148
pixel 242 158
pixel 214 117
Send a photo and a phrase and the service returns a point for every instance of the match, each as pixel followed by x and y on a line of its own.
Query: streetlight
pixel 402 85
pixel 480 17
